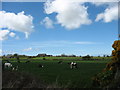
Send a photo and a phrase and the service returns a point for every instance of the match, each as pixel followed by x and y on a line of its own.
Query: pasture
pixel 60 74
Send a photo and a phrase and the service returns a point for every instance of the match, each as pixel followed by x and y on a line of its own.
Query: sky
pixel 58 27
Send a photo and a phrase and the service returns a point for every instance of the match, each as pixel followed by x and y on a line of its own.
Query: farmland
pixel 61 74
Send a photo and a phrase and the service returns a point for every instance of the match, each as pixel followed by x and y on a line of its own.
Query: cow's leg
pixel 6 66
pixel 70 66
pixel 75 66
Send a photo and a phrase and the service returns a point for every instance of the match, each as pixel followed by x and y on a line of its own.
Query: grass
pixel 58 58
pixel 61 74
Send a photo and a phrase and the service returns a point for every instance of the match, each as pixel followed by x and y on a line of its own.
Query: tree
pixel 63 55
pixel 104 55
pixel 15 55
pixel 99 56
pixel 86 57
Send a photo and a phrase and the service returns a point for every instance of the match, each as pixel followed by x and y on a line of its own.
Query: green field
pixel 57 58
pixel 61 74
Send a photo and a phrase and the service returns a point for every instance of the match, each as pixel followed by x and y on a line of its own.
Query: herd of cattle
pixel 8 65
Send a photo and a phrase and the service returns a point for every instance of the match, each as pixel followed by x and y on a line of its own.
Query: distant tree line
pixel 45 55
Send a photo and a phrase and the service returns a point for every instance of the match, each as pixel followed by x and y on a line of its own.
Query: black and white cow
pixel 8 65
pixel 73 65
pixel 15 68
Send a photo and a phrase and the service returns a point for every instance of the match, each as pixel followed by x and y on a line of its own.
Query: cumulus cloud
pixel 110 13
pixel 73 14
pixel 12 34
pixel 27 49
pixel 17 22
pixel 47 22
pixel 70 15
pixel 105 2
pixel 4 34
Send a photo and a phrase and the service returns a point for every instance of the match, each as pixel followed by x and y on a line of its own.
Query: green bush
pixel 103 79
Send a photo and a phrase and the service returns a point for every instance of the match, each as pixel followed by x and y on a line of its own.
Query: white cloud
pixel 105 2
pixel 17 22
pixel 73 14
pixel 84 43
pixel 4 34
pixel 28 49
pixel 47 22
pixel 12 34
pixel 63 43
pixel 108 15
pixel 70 15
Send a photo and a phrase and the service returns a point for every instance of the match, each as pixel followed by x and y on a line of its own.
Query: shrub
pixel 107 77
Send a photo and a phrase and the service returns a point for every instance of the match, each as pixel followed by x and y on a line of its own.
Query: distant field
pixel 61 74
pixel 70 58
pixel 58 58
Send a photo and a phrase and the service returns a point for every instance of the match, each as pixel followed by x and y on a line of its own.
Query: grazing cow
pixel 40 66
pixel 9 65
pixel 70 63
pixel 60 62
pixel 15 68
pixel 27 61
pixel 73 65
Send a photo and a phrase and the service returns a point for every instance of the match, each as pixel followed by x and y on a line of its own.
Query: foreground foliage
pixel 110 77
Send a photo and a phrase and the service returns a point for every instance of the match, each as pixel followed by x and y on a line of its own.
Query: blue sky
pixel 95 38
